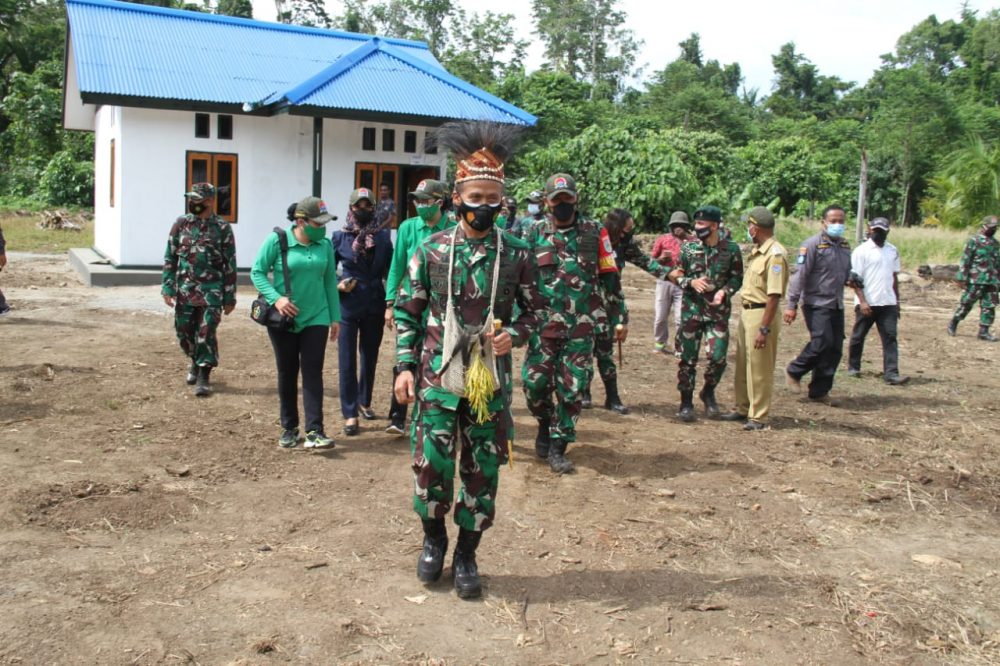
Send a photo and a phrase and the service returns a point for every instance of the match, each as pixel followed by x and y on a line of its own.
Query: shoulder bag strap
pixel 283 242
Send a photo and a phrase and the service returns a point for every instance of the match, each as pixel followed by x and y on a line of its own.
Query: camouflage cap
pixel 361 193
pixel 990 222
pixel 879 223
pixel 761 216
pixel 559 183
pixel 429 190
pixel 679 219
pixel 535 196
pixel 201 191
pixel 313 208
pixel 708 214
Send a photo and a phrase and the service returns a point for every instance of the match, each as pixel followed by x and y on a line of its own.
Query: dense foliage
pixel 691 133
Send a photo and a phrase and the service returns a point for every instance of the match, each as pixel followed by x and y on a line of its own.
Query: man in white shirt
pixel 874 269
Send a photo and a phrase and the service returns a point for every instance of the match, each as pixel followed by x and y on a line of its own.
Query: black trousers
pixel 364 335
pixel 397 410
pixel 886 318
pixel 823 352
pixel 305 351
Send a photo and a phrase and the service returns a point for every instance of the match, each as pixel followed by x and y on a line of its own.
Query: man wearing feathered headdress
pixel 453 360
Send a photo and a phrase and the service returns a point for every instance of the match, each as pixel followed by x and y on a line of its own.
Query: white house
pixel 267 112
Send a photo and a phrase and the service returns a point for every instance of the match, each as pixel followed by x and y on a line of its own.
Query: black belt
pixel 753 306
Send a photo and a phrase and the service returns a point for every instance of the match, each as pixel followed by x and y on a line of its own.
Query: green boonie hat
pixel 990 221
pixel 535 197
pixel 201 191
pixel 762 217
pixel 679 218
pixel 429 190
pixel 708 214
pixel 361 193
pixel 313 208
pixel 559 183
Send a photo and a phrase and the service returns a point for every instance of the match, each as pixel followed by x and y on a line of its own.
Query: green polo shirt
pixel 411 233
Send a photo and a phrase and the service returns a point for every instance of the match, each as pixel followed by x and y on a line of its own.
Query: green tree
pixel 799 88
pixel 241 8
pixel 488 50
pixel 788 169
pixel 967 187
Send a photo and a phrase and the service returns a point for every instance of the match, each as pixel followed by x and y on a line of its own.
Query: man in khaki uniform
pixel 765 280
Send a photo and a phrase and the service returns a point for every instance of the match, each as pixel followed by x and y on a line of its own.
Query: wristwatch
pixel 764 330
pixel 406 367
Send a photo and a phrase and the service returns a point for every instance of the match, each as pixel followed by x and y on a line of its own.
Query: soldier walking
pixel 710 271
pixel 979 275
pixel 458 282
pixel 199 281
pixel 579 283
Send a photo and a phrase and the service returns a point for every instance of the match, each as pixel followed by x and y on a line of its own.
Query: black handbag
pixel 266 314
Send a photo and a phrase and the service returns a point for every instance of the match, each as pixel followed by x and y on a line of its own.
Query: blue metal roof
pixel 129 50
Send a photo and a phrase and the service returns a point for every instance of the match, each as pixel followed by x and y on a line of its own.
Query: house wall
pixel 76 114
pixel 108 218
pixel 274 169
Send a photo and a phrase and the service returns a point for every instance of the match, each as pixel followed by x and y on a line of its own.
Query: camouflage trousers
pixel 436 432
pixel 604 352
pixel 986 295
pixel 196 326
pixel 562 366
pixel 690 332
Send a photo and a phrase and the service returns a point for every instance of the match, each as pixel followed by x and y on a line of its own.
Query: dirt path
pixel 139 525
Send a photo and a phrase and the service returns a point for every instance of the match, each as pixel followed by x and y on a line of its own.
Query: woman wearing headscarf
pixel 363 252
pixel 315 306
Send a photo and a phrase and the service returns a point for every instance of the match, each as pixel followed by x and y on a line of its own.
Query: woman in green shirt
pixel 315 305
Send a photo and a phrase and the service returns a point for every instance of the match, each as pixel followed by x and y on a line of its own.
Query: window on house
pixel 429 146
pixel 222 170
pixel 410 142
pixel 112 178
pixel 225 127
pixel 388 140
pixel 202 125
pixel 368 138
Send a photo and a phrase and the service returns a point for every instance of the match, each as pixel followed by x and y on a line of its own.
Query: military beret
pixel 708 214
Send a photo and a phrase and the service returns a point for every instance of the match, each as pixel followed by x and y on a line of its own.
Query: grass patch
pixel 23 235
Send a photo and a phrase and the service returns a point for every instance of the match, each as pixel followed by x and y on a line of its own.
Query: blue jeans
pixel 364 335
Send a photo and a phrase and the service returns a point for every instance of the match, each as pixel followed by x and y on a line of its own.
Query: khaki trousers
pixel 755 367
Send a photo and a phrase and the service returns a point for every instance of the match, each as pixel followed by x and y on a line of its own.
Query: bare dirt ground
pixel 139 525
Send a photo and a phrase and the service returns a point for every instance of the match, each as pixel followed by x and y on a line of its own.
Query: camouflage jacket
pixel 520 226
pixel 628 250
pixel 421 301
pixel 577 277
pixel 722 265
pixel 199 265
pixel 980 261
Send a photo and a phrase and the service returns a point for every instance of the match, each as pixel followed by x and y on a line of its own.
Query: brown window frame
pixel 213 160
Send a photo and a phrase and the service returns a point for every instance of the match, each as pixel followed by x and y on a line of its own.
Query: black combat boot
pixel 707 396
pixel 192 375
pixel 687 407
pixel 585 401
pixel 431 561
pixel 463 566
pixel 542 441
pixel 557 458
pixel 202 387
pixel 613 401
pixel 952 327
pixel 984 334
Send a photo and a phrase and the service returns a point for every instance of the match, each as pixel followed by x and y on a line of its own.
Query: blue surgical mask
pixel 749 235
pixel 534 208
pixel 835 230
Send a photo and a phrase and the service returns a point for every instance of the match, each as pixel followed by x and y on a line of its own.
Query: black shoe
pixel 752 426
pixel 585 401
pixel 707 396
pixel 396 427
pixel 463 566
pixel 984 334
pixel 953 327
pixel 192 375
pixel 542 441
pixel 558 462
pixel 686 411
pixel 613 401
pixel 351 429
pixel 733 416
pixel 431 562
pixel 896 380
pixel 202 388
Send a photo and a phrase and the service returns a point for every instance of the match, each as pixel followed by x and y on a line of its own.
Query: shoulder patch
pixel 776 268
pixel 802 255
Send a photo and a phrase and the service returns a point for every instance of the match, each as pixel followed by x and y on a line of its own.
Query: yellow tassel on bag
pixel 479 386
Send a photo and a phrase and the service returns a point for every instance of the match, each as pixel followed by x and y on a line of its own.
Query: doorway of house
pixel 400 178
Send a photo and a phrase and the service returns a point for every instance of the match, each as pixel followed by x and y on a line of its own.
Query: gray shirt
pixel 824 266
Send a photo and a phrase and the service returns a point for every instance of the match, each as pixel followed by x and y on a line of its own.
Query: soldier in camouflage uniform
pixel 980 271
pixel 459 281
pixel 579 283
pixel 710 271
pixel 536 213
pixel 199 281
pixel 621 229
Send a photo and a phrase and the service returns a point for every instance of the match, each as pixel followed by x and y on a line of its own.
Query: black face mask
pixel 479 217
pixel 989 232
pixel 703 232
pixel 878 236
pixel 563 211
pixel 363 216
pixel 626 238
pixel 196 208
